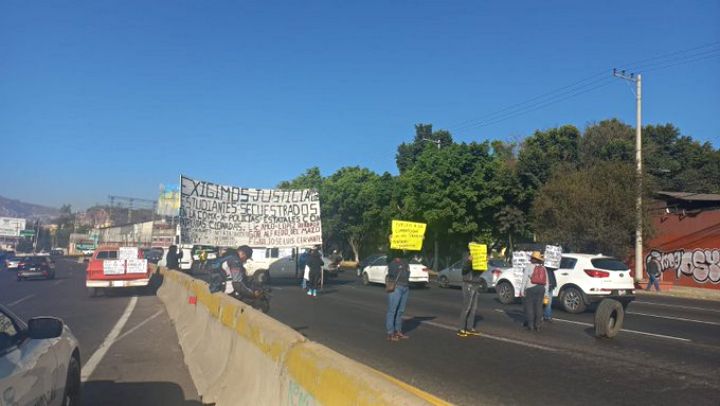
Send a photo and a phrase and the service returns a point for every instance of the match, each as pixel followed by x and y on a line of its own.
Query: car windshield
pixel 498 263
pixel 34 260
pixel 609 264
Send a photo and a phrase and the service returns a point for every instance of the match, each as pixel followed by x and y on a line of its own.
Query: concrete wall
pixel 237 355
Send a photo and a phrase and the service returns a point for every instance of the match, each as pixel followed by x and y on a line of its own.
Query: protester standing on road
pixel 315 263
pixel 399 275
pixel 552 284
pixel 172 261
pixel 533 288
pixel 301 262
pixel 470 290
pixel 653 270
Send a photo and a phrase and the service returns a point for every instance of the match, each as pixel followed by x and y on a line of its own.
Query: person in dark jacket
pixel 238 273
pixel 315 263
pixel 471 289
pixel 552 284
pixel 173 258
pixel 399 272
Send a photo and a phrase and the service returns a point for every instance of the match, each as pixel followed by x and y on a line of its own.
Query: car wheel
pixel 443 282
pixel 365 279
pixel 505 292
pixel 72 395
pixel 609 318
pixel 483 287
pixel 572 300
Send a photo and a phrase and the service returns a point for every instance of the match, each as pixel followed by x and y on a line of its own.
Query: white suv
pixel 582 279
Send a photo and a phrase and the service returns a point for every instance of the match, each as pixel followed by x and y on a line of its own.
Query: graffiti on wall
pixel 298 396
pixel 703 265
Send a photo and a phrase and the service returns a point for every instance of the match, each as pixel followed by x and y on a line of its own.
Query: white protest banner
pixel 113 267
pixel 553 255
pixel 520 259
pixel 136 265
pixel 229 216
pixel 127 253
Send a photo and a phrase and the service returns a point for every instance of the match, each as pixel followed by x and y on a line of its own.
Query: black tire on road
pixel 365 279
pixel 73 388
pixel 505 292
pixel 609 318
pixel 443 282
pixel 573 300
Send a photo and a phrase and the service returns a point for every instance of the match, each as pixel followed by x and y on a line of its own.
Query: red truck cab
pixel 116 267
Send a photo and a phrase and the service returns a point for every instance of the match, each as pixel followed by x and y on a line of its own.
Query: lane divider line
pixel 677 306
pixel 493 337
pixel 675 318
pixel 95 359
pixel 582 323
pixel 22 299
pixel 142 323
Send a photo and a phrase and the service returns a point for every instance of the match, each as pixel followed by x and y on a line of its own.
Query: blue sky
pixel 116 97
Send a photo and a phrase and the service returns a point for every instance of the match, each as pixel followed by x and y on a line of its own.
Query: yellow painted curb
pixel 415 391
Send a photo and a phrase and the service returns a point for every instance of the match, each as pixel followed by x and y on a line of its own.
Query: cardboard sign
pixel 520 259
pixel 125 253
pixel 407 235
pixel 136 265
pixel 113 267
pixel 553 255
pixel 479 256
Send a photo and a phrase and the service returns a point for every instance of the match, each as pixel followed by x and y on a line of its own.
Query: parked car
pixel 36 266
pixel 367 261
pixel 583 279
pixel 107 270
pixel 452 275
pixel 376 271
pixel 39 362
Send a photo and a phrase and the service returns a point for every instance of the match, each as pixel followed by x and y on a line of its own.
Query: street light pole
pixel 638 162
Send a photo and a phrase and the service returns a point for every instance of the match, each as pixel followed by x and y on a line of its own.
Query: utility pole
pixel 638 161
pixel 436 142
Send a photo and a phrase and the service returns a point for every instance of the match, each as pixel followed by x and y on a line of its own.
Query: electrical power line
pixel 675 58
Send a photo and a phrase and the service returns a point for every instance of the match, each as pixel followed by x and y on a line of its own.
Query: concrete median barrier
pixel 237 355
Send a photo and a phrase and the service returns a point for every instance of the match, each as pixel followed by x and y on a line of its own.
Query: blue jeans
pixel 547 313
pixel 654 281
pixel 396 307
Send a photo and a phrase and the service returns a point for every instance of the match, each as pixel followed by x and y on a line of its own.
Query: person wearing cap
pixel 238 273
pixel 533 292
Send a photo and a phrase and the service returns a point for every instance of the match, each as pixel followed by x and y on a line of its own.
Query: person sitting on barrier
pixel 239 273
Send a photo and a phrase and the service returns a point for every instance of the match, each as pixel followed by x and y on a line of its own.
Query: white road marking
pixel 581 323
pixel 57 282
pixel 22 299
pixel 93 361
pixel 492 337
pixel 675 318
pixel 132 330
pixel 678 306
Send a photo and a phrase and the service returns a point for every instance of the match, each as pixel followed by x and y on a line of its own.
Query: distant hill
pixel 16 208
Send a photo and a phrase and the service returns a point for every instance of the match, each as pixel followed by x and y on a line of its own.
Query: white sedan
pixel 39 362
pixel 376 271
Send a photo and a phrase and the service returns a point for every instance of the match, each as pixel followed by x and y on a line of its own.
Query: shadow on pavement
pixel 109 393
pixel 517 316
pixel 411 324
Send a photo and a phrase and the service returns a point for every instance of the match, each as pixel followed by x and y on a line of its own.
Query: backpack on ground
pixel 539 275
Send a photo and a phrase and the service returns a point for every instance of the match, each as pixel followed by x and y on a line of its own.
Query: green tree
pixel 407 154
pixel 591 209
pixel 608 140
pixel 311 179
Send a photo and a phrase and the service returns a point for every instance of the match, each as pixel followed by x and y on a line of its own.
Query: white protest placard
pixel 553 255
pixel 113 267
pixel 136 265
pixel 229 216
pixel 520 259
pixel 125 253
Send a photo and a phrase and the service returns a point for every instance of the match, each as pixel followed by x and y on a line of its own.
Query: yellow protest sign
pixel 479 256
pixel 407 235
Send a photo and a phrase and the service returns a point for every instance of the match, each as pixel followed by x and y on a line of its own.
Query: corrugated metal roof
pixel 693 197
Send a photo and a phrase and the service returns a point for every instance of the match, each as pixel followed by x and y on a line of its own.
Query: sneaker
pixel 472 332
pixel 309 292
pixel 462 333
pixel 401 335
pixel 392 337
pixel 314 293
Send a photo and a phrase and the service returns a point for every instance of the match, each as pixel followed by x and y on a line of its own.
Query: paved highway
pixel 129 348
pixel 668 353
